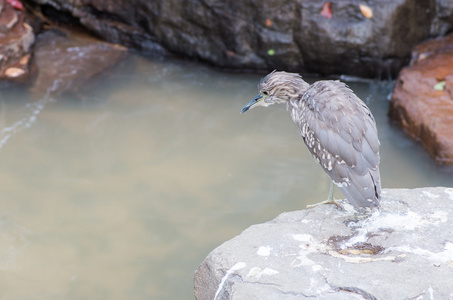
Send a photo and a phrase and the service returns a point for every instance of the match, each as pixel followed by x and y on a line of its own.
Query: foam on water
pixel 33 109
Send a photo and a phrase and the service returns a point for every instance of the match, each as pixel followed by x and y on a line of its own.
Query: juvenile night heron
pixel 338 129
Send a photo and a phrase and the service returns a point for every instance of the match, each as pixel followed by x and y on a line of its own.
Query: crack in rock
pixel 358 291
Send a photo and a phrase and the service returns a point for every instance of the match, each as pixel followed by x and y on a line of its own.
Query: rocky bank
pixel 403 251
pixel 363 38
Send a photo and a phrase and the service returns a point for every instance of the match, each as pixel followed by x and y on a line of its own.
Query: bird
pixel 338 129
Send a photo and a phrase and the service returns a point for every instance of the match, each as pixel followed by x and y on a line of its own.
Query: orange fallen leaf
pixel 24 60
pixel 366 11
pixel 327 10
pixel 26 26
pixel 230 53
pixel 268 22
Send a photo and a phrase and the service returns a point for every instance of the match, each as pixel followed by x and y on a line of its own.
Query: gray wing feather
pixel 344 140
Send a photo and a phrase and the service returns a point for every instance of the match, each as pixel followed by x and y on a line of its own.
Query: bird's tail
pixel 364 190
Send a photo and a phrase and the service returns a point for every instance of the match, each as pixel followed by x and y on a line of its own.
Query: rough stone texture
pixel 66 63
pixel 16 39
pixel 404 251
pixel 256 34
pixel 424 112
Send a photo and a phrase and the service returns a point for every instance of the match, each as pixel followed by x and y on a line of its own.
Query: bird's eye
pixel 266 93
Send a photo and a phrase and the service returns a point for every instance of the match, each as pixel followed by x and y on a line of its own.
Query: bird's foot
pixel 328 201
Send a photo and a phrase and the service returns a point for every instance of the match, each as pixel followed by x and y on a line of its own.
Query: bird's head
pixel 277 87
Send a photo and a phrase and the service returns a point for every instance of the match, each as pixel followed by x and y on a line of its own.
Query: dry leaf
pixel 268 22
pixel 27 26
pixel 366 11
pixel 24 60
pixel 327 10
pixel 14 72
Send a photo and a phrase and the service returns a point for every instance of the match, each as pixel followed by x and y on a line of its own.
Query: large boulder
pixel 362 38
pixel 422 100
pixel 403 251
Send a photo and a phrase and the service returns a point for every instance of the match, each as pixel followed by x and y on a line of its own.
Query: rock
pixel 16 40
pixel 66 63
pixel 431 47
pixel 286 34
pixel 404 251
pixel 422 99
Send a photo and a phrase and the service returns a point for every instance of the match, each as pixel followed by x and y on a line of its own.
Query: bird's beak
pixel 252 103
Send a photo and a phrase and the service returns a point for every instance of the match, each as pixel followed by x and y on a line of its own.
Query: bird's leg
pixel 329 200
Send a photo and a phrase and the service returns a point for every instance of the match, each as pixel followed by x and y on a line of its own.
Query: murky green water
pixel 120 192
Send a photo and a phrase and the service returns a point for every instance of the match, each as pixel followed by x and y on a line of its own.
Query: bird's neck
pixel 295 106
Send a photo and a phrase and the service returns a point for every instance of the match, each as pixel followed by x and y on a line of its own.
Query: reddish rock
pixel 422 100
pixel 16 39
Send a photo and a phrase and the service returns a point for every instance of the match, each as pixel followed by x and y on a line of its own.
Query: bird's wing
pixel 341 134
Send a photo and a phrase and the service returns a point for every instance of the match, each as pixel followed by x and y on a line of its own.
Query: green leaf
pixel 440 86
pixel 270 52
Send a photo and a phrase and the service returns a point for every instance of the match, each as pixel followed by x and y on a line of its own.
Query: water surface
pixel 119 192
